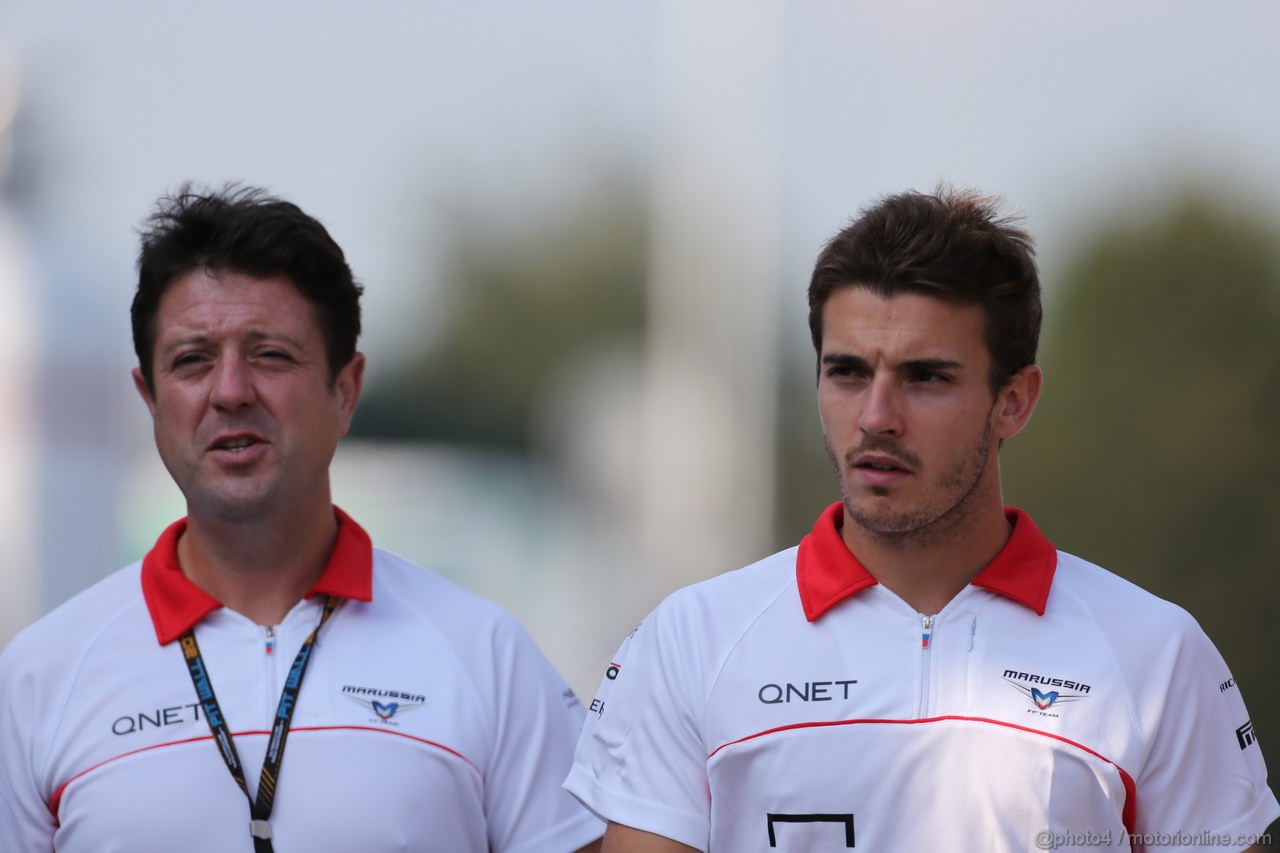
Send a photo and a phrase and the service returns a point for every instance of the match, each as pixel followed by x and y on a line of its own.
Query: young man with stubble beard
pixel 925 670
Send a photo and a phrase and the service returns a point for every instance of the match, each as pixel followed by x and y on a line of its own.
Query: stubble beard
pixel 234 499
pixel 922 525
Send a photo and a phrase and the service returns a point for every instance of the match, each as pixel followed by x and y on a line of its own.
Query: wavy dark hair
pixel 244 230
pixel 953 245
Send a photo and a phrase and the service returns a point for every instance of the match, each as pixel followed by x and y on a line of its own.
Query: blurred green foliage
pixel 803 482
pixel 522 300
pixel 1154 451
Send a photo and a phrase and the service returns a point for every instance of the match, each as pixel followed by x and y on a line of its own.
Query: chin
pixel 888 525
pixel 239 505
pixel 875 516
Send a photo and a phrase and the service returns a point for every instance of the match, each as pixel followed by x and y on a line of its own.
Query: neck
pixel 258 567
pixel 928 567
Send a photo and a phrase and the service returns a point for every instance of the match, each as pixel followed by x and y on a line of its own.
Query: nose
pixel 881 410
pixel 233 387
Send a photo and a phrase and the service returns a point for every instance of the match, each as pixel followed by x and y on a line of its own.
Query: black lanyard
pixel 259 811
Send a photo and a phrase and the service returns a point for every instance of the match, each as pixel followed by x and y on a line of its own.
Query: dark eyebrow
pixel 918 365
pixel 258 337
pixel 849 361
pixel 915 365
pixel 199 340
pixel 254 336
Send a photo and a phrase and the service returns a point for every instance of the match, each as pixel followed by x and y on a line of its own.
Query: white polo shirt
pixel 798 705
pixel 426 721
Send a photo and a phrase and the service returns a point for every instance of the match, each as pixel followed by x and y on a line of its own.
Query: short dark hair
pixel 244 230
pixel 953 245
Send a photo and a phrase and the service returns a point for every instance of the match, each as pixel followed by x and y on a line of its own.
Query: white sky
pixel 367 118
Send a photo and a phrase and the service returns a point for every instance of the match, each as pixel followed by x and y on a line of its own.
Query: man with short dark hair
pixel 925 671
pixel 155 711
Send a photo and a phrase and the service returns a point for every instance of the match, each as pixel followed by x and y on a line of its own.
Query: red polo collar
pixel 176 604
pixel 828 573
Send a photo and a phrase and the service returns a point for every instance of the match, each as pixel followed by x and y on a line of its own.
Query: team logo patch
pixel 385 704
pixel 1043 700
pixel 386 710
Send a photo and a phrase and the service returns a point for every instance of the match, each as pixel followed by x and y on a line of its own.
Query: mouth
pixel 879 462
pixel 237 443
pixel 880 471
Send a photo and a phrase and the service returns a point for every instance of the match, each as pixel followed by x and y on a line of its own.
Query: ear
pixel 1016 401
pixel 143 391
pixel 347 386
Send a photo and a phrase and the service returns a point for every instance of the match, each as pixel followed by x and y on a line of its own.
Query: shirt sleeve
pixel 25 820
pixel 537 720
pixel 642 758
pixel 1205 772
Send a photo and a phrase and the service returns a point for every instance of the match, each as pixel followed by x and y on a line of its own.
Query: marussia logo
pixel 1044 699
pixel 384 710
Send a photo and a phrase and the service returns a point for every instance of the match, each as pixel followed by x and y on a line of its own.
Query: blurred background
pixel 585 232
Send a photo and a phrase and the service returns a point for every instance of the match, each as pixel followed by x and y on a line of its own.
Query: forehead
pixel 217 302
pixel 859 321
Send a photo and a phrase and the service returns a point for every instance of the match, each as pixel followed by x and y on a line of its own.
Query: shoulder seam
pixel 83 653
pixel 426 621
pixel 790 584
pixel 1126 690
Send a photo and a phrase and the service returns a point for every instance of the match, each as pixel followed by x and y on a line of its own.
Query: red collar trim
pixel 827 572
pixel 1023 570
pixel 176 604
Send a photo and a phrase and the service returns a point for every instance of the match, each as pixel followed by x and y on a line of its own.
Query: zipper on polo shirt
pixel 926 640
pixel 270 684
